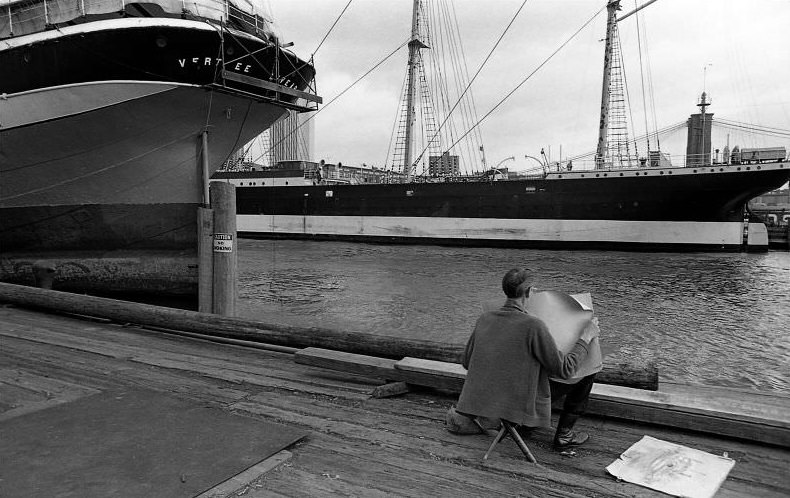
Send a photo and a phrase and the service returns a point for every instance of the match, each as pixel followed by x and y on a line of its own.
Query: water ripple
pixel 719 319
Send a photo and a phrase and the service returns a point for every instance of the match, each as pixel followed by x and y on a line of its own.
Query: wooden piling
pixel 205 260
pixel 223 203
pixel 44 274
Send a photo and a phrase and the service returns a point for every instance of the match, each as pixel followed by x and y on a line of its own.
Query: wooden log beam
pixel 637 371
pixel 230 327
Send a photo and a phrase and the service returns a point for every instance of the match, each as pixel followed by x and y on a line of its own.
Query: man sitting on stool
pixel 509 359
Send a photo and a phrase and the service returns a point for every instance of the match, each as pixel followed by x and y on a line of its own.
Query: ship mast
pixel 414 46
pixel 611 24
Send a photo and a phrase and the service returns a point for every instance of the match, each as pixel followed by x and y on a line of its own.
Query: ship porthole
pixel 621 174
pixel 721 169
pixel 161 41
pixel 758 167
pixel 739 168
pixel 596 175
pixel 230 50
pixel 661 172
pixel 695 171
pixel 748 168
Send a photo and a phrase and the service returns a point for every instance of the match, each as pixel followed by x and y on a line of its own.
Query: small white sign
pixel 223 242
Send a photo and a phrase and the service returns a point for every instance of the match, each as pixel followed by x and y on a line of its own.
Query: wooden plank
pixel 268 85
pixel 347 362
pixel 731 416
pixel 391 389
pixel 439 368
pixel 26 392
pixel 241 482
pixel 378 367
pixel 413 454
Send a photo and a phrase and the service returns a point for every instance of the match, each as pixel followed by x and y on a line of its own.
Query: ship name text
pixel 207 61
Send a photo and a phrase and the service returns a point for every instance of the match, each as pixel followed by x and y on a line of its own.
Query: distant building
pixel 292 138
pixel 340 173
pixel 778 199
pixel 444 165
pixel 773 208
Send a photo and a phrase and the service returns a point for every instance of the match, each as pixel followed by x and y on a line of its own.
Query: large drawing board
pixel 566 317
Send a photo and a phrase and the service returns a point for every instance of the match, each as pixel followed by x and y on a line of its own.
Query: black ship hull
pixel 642 209
pixel 100 145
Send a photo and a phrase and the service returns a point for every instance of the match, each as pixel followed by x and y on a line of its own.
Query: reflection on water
pixel 718 319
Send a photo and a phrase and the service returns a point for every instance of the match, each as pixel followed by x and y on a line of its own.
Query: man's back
pixel 501 361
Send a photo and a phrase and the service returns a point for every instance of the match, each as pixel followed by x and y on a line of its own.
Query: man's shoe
pixel 570 438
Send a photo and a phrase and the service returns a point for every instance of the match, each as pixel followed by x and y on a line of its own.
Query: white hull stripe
pixel 35 106
pixel 630 232
pixel 107 25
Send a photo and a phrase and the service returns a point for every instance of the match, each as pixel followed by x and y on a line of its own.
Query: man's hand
pixel 591 331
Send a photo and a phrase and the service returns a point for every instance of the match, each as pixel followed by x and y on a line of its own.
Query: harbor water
pixel 708 318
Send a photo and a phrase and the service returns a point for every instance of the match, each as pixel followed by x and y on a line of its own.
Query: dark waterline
pixel 718 319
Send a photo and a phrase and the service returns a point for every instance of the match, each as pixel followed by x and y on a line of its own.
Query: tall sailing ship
pixel 113 115
pixel 618 201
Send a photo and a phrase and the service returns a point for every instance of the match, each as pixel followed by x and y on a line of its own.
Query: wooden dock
pixel 356 445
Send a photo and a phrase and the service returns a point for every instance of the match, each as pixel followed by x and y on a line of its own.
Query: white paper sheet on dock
pixel 671 468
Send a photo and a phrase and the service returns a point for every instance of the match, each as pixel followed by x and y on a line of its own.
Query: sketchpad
pixel 131 443
pixel 672 468
pixel 566 317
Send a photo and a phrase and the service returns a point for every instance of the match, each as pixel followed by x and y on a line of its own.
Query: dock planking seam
pixel 385 440
pixel 507 457
pixel 230 373
pixel 605 400
pixel 471 470
pixel 166 382
pixel 50 338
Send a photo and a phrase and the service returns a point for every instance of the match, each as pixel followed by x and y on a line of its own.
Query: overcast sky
pixel 743 44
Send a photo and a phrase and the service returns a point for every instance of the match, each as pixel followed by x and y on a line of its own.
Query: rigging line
pixel 642 75
pixel 331 28
pixel 468 117
pixel 382 61
pixel 532 73
pixel 753 131
pixel 451 58
pixel 480 69
pixel 741 123
pixel 394 127
pixel 221 56
pixel 628 97
pixel 651 91
pixel 664 131
pixel 466 68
